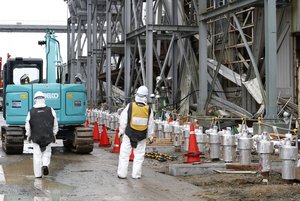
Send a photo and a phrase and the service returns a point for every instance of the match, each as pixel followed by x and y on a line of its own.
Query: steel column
pixel 79 49
pixel 271 58
pixel 202 62
pixel 127 63
pixel 174 21
pixel 94 57
pixel 73 60
pixel 149 45
pixel 89 50
pixel 108 53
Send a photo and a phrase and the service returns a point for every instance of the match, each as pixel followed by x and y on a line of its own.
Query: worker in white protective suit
pixel 136 125
pixel 41 128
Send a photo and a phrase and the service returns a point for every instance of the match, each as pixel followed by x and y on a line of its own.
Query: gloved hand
pixel 121 135
pixel 150 140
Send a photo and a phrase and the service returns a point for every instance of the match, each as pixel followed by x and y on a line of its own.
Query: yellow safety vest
pixel 139 117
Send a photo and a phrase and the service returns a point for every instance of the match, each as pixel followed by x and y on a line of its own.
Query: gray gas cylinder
pixel 288 155
pixel 186 133
pixel 228 145
pixel 202 139
pixel 245 144
pixel 214 144
pixel 176 134
pixel 167 130
pixel 265 148
pixel 159 128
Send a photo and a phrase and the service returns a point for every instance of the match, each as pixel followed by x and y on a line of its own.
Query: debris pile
pixel 161 157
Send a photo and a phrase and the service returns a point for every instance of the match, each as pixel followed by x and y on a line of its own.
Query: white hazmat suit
pixel 40 158
pixel 139 151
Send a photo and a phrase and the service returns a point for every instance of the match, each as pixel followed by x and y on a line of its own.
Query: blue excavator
pixel 22 78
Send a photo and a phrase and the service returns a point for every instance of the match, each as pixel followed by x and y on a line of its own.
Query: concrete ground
pixel 86 177
pixel 93 177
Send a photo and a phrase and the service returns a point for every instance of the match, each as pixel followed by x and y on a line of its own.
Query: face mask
pixel 144 99
pixel 141 99
pixel 39 101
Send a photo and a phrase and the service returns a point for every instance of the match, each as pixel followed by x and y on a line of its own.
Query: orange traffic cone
pixel 104 141
pixel 96 132
pixel 131 157
pixel 117 143
pixel 193 154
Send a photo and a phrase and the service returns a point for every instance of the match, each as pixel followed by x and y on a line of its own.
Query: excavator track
pixel 83 142
pixel 12 139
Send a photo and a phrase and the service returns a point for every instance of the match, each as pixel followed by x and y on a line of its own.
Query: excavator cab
pixel 17 71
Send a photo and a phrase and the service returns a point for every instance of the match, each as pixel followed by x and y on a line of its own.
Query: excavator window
pixel 25 75
pixel 23 71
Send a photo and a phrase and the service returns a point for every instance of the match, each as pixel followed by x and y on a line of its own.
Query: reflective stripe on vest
pixel 139 117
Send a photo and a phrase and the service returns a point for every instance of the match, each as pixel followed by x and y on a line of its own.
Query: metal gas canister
pixel 288 155
pixel 265 148
pixel 245 144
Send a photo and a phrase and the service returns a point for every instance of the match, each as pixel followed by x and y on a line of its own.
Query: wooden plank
pixel 237 166
pixel 236 172
pixel 161 142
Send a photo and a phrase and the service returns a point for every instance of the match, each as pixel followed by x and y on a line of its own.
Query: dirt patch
pixel 244 187
pixel 234 187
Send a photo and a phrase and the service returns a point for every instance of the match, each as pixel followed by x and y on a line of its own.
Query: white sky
pixel 52 12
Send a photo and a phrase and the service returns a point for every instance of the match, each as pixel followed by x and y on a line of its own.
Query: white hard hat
pixel 39 94
pixel 142 91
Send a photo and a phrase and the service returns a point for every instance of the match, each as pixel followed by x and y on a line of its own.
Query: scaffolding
pixel 193 55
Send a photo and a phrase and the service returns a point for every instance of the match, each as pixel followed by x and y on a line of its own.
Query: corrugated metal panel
pixel 296 16
pixel 284 61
